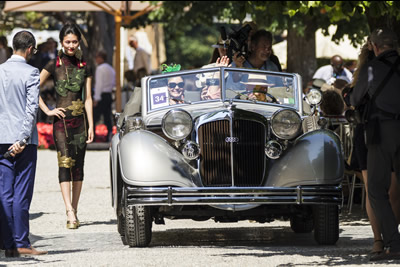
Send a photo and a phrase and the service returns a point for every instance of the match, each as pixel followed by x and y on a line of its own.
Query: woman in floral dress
pixel 73 116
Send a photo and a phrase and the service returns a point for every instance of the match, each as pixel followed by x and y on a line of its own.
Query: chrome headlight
pixel 177 124
pixel 286 124
pixel 273 149
pixel 314 96
pixel 191 150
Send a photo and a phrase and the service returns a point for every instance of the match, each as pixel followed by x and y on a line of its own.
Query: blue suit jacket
pixel 19 101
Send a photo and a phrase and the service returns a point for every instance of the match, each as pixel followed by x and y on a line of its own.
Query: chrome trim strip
pixel 231 144
pixel 234 195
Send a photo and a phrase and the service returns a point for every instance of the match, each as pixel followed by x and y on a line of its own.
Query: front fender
pixel 146 159
pixel 114 170
pixel 315 159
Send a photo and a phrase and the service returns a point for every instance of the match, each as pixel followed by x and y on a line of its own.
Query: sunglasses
pixel 34 50
pixel 173 85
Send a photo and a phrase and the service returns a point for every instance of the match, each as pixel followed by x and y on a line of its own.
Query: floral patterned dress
pixel 70 133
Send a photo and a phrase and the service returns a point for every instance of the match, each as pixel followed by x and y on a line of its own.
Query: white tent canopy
pixel 325 47
pixel 71 5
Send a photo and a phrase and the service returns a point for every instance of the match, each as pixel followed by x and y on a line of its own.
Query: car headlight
pixel 286 124
pixel 314 96
pixel 177 124
pixel 273 149
pixel 191 150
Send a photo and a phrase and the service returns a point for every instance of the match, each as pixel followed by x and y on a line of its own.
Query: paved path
pixel 178 243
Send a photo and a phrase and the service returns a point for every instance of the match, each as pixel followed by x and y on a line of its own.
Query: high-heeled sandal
pixel 377 247
pixel 72 224
pixel 77 220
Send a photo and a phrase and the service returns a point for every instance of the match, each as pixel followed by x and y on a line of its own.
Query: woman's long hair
pixel 365 56
pixel 215 56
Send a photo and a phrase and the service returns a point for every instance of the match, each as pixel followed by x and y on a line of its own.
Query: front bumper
pixel 169 196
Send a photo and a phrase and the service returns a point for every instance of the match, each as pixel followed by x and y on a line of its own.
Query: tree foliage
pixel 192 26
pixel 302 18
pixel 349 16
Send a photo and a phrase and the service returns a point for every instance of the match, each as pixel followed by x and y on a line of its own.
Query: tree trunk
pixel 301 55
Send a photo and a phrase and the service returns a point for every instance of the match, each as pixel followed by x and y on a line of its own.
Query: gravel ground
pixel 178 243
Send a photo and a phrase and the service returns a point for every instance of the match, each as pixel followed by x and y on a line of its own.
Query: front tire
pixel 138 223
pixel 326 224
pixel 121 228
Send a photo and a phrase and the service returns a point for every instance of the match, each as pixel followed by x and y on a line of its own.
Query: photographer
pixel 378 82
pixel 360 154
pixel 260 52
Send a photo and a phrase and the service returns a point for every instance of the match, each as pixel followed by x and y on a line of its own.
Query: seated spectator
pixel 335 70
pixel 333 103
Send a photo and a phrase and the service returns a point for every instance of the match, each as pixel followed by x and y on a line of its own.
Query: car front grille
pixel 248 141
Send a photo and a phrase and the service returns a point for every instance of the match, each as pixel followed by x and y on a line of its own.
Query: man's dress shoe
pixel 30 251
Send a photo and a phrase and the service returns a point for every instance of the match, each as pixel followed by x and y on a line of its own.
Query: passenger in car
pixel 212 89
pixel 175 90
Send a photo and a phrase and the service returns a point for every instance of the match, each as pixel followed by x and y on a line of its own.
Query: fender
pixel 113 169
pixel 316 158
pixel 146 159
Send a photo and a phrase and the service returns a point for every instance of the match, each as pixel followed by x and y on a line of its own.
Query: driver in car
pixel 175 90
pixel 257 89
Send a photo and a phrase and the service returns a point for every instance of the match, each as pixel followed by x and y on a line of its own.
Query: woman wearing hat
pixel 218 59
pixel 220 50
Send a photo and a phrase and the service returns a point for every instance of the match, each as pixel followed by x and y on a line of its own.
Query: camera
pixel 237 41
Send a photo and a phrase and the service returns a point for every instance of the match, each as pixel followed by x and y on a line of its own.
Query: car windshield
pixel 221 84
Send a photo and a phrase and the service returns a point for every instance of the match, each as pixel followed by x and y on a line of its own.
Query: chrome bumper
pixel 150 196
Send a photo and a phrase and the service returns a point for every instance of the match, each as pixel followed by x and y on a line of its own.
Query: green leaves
pixel 171 68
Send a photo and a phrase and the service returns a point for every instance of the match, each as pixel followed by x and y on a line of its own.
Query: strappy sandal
pixel 377 248
pixel 76 216
pixel 72 224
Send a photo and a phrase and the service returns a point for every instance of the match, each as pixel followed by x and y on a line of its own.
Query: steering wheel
pixel 273 98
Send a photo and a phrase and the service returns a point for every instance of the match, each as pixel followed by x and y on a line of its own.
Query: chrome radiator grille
pixel 248 153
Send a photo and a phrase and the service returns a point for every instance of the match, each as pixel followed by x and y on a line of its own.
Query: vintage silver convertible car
pixel 225 144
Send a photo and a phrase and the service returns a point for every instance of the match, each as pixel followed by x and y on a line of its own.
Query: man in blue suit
pixel 19 102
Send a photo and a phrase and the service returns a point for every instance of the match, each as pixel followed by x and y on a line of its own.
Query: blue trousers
pixel 17 177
